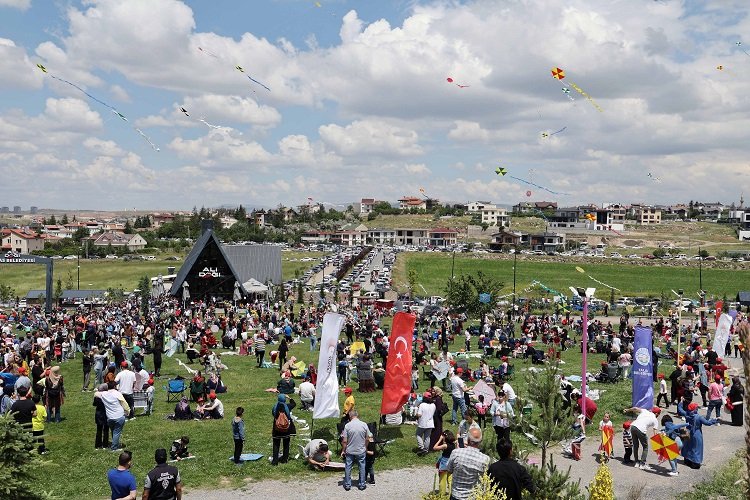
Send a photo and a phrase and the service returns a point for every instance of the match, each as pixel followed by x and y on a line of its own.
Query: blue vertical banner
pixel 643 365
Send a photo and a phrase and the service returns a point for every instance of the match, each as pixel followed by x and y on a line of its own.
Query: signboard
pixel 17 258
pixel 209 272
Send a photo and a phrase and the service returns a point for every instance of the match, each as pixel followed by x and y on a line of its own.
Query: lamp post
pixel 584 294
pixel 700 285
pixel 79 268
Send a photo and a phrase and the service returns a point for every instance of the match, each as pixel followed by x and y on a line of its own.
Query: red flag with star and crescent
pixel 397 385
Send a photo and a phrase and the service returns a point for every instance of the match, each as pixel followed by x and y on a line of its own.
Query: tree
pixel 58 291
pixel 601 487
pixel 52 221
pixel 64 219
pixel 70 280
pixel 128 228
pixel 659 253
pixel 80 234
pixel 463 294
pixel 552 484
pixel 703 254
pixel 549 423
pixel 300 293
pixel 7 293
pixel 19 461
pixel 413 278
pixel 144 292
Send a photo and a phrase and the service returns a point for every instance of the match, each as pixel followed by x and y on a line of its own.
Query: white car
pixel 70 257
pixel 111 256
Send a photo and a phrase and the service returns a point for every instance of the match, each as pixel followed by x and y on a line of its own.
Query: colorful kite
pixel 503 171
pixel 111 108
pixel 664 447
pixel 559 74
pixel 739 45
pixel 566 91
pixel 237 67
pixel 608 435
pixel 528 194
pixel 450 80
pixel 580 270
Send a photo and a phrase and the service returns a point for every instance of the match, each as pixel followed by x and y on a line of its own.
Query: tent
pixel 254 286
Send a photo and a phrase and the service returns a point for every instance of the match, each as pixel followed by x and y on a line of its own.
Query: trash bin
pixel 170 270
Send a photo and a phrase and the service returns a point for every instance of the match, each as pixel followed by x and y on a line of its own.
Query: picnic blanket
pixel 248 457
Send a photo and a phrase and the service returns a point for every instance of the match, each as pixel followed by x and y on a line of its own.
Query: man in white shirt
pixel 307 394
pixel 116 407
pixel 126 384
pixel 425 423
pixel 510 394
pixel 458 389
pixel 214 409
pixel 640 430
pixel 140 379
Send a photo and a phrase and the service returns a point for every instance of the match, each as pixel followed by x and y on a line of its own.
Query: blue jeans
pixel 313 342
pixel 458 403
pixel 116 425
pixel 673 463
pixel 348 470
pixel 714 403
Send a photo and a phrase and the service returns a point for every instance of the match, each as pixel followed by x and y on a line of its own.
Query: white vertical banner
pixel 722 333
pixel 327 387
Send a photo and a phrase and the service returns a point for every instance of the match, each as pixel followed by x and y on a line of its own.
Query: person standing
pixel 425 423
pixel 238 434
pixel 466 466
pixel 24 409
pixel 116 408
pixel 715 398
pixel 100 419
pixel 283 429
pixel 644 421
pixel 501 412
pixel 121 480
pixel 354 441
pixel 662 391
pixel 163 482
pixel 54 393
pixel 126 381
pixel 692 449
pixel 37 423
pixel 509 475
pixel 735 395
pixel 458 390
pixel 260 348
pixel 87 363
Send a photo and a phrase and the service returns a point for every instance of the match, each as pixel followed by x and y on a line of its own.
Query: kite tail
pixel 153 146
pixel 79 88
pixel 584 94
pixel 256 81
pixel 603 284
pixel 553 133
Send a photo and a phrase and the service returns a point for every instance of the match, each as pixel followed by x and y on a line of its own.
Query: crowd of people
pixel 114 340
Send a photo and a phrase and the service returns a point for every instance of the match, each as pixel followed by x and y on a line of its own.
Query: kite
pixel 739 45
pixel 485 298
pixel 111 108
pixel 421 190
pixel 620 234
pixel 653 177
pixel 545 134
pixel 185 111
pixel 203 121
pixel 559 74
pixel 608 435
pixel 237 67
pixel 580 270
pixel 664 447
pixel 528 194
pixel 504 171
pixel 566 91
pixel 591 217
pixel 450 80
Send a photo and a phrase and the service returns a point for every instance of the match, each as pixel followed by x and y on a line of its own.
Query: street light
pixel 585 294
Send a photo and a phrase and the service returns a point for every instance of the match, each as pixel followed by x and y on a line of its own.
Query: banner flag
pixel 397 385
pixel 327 387
pixel 643 377
pixel 722 332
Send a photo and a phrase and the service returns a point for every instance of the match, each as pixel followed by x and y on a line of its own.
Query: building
pixel 647 215
pixel 505 240
pixel 476 207
pixel 259 218
pixel 618 212
pixel 566 217
pixel 131 242
pixel 349 238
pixel 33 210
pixel 227 222
pixel 17 210
pixel 544 242
pixel 158 220
pixel 315 237
pixel 442 237
pixel 494 216
pixel 21 241
pixel 381 236
pixel 547 242
pixel 366 206
pixel 4 210
pixel 213 270
pixel 415 237
pixel 530 207
pixel 412 202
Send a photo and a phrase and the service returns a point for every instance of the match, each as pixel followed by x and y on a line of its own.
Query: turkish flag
pixel 397 385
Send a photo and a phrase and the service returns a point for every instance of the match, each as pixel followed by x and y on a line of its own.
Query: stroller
pixel 611 373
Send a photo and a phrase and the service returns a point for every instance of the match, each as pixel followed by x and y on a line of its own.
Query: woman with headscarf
pixel 364 374
pixel 100 419
pixel 283 428
pixel 735 396
pixel 215 384
pixel 54 394
pixel 692 450
pixel 182 410
pixel 197 386
pixel 286 384
pixel 440 409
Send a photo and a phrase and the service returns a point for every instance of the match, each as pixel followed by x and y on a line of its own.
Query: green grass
pixel 433 271
pixel 723 484
pixel 291 265
pixel 76 470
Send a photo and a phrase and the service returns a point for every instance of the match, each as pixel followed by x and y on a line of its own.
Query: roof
pixel 368 201
pixel 82 294
pixel 443 230
pixel 36 294
pixel 21 233
pixel 743 298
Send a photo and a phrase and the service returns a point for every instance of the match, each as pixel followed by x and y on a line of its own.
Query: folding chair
pixel 380 443
pixel 175 389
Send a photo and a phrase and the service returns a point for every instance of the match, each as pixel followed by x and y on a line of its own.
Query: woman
pixel 283 350
pixel 281 435
pixel 440 409
pixel 285 384
pixel 501 411
pixel 182 410
pixel 446 444
pixel 692 450
pixel 100 419
pixel 672 431
pixel 312 374
pixel 364 374
pixel 735 396
pixel 54 394
pixel 110 375
pixel 215 384
pixel 197 386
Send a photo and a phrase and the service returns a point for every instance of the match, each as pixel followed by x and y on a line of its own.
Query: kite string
pixel 553 133
pixel 537 185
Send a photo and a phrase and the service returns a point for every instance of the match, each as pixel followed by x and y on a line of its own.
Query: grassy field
pixel 76 470
pixel 433 271
pixel 104 273
pixel 416 222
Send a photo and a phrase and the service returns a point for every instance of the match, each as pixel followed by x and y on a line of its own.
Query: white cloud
pixel 233 109
pixel 16 4
pixel 370 137
pixel 16 70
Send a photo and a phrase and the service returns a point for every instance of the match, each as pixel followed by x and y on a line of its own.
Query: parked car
pixel 111 256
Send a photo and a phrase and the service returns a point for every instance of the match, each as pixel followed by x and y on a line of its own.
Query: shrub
pixel 18 460
pixel 601 487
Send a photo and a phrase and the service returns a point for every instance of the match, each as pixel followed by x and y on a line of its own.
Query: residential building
pixel 647 215
pixel 566 217
pixel 381 236
pixel 366 206
pixel 21 241
pixel 411 236
pixel 115 227
pixel 349 238
pixel 158 220
pixel 494 216
pixel 506 239
pixel 547 242
pixel 618 212
pixel 287 214
pixel 530 207
pixel 442 237
pixel 131 242
pixel 315 237
pixel 227 222
pixel 57 230
pixel 4 210
pixel 476 207
pixel 412 202
pixel 259 217
pixel 33 210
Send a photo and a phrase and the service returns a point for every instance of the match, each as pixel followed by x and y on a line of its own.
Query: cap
pixel 689 368
pixel 22 370
pixel 626 424
pixel 427 394
pixel 347 390
pixel 124 364
pixel 655 410
pixel 414 395
pixel 692 406
pixel 661 375
pixel 459 370
pixel 717 378
pixel 150 381
pixel 212 395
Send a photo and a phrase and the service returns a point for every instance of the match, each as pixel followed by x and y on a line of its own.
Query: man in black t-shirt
pixel 163 482
pixel 508 474
pixel 24 409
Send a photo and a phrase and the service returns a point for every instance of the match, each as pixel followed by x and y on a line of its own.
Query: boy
pixel 463 427
pixel 149 396
pixel 238 434
pixel 37 424
pixel 179 449
pixel 627 442
pixel 662 391
pixel 370 462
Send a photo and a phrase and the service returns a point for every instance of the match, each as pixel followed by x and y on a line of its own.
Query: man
pixel 23 381
pixel 121 480
pixel 317 454
pixel 354 441
pixel 307 394
pixel 467 465
pixel 509 475
pixel 163 482
pixel 425 423
pixel 214 409
pixel 24 409
pixel 458 390
pixel 116 408
pixel 639 428
pixel 87 363
pixel 126 381
pixel 259 340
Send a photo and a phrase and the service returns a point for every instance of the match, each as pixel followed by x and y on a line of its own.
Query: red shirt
pixel 590 407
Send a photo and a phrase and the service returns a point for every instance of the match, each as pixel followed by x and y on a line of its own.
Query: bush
pixel 601 487
pixel 18 459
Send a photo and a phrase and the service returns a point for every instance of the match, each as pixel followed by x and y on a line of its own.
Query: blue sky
pixel 360 106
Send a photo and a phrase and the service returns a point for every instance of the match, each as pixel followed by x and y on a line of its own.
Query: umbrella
pixel 664 447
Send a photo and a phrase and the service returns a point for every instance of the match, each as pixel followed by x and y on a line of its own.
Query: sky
pixel 360 105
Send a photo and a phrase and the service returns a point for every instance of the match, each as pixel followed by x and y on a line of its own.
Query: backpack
pixel 281 423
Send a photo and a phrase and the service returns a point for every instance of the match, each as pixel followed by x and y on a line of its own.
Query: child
pixel 481 408
pixel 446 444
pixel 370 462
pixel 608 431
pixel 662 392
pixel 627 442
pixel 464 426
pixel 37 423
pixel 348 404
pixel 179 449
pixel 414 378
pixel 238 433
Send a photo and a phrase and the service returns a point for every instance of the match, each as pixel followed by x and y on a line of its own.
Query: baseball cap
pixel 626 424
pixel 124 364
pixel 347 390
pixel 212 395
pixel 459 370
pixel 427 394
pixel 656 410
pixel 692 406
pixel 661 375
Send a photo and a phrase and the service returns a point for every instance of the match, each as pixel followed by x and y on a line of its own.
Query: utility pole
pixel 700 285
pixel 79 268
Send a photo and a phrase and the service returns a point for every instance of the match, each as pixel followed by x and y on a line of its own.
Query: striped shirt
pixel 466 465
pixel 260 344
pixel 627 439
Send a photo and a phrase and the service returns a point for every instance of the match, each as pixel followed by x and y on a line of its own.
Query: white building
pixel 477 206
pixel 494 216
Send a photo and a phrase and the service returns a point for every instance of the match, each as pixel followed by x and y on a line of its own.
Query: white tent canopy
pixel 254 286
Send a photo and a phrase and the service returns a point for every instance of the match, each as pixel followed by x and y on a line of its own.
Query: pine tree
pixel 601 487
pixel 64 219
pixel 300 293
pixel 19 461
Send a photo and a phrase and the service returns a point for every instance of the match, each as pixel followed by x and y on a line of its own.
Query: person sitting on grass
pixel 286 383
pixel 182 410
pixel 179 448
pixel 214 409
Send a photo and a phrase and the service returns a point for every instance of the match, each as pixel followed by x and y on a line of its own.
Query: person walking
pixel 458 389
pixel 508 475
pixel 283 429
pixel 86 364
pixel 425 423
pixel 121 480
pixel 467 465
pixel 692 449
pixel 260 348
pixel 644 421
pixel 354 440
pixel 163 482
pixel 715 398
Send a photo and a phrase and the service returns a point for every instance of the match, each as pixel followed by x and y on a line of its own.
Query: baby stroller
pixel 610 373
